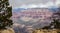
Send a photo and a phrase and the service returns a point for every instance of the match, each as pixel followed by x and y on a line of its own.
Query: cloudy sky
pixel 34 3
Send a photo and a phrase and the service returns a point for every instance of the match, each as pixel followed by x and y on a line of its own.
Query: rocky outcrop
pixel 10 30
pixel 46 31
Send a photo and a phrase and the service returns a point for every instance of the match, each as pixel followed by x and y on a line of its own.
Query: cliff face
pixel 7 31
pixel 46 31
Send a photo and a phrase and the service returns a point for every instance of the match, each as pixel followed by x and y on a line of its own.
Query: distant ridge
pixel 53 9
pixel 18 9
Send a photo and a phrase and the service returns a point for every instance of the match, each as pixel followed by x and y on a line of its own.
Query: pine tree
pixel 56 24
pixel 56 19
pixel 5 14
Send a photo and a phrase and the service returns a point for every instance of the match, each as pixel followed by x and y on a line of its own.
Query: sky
pixel 32 3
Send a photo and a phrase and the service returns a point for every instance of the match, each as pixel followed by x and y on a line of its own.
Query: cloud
pixel 37 5
pixel 24 3
pixel 28 6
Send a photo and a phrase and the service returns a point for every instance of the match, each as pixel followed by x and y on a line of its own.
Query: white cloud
pixel 57 3
pixel 25 3
pixel 28 6
pixel 37 5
